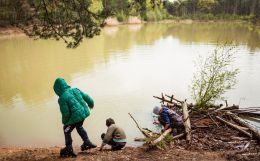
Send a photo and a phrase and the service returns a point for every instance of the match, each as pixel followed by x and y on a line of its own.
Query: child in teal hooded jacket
pixel 74 108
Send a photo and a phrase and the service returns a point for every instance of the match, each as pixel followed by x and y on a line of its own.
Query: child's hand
pixel 156 122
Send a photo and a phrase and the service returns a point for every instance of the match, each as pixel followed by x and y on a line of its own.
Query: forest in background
pixel 16 11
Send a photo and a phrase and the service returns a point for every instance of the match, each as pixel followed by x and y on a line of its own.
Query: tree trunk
pixel 252 8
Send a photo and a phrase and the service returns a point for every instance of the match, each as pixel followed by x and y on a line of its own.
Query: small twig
pixel 213 120
pixel 146 135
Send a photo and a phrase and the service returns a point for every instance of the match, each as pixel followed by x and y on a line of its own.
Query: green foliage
pixel 73 20
pixel 215 8
pixel 206 6
pixel 214 76
pixel 162 144
pixel 156 14
pixel 114 7
pixel 69 20
pixel 121 17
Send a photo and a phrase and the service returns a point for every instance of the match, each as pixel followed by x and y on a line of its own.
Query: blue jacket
pixel 170 117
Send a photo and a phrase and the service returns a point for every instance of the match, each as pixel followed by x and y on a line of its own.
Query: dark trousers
pixel 116 145
pixel 67 129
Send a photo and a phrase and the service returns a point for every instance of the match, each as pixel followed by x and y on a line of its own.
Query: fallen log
pixel 186 120
pixel 234 126
pixel 255 132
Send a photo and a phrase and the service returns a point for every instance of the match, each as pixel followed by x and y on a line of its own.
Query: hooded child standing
pixel 74 108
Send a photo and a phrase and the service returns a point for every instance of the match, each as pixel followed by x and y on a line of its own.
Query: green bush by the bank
pixel 121 17
pixel 157 15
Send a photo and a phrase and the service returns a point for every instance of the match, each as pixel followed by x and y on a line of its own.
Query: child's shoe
pixel 67 152
pixel 87 146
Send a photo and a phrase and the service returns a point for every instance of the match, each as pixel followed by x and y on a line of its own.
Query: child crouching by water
pixel 115 136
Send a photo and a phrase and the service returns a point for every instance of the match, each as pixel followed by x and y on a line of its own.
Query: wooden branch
pixel 187 121
pixel 256 133
pixel 213 120
pixel 233 107
pixel 178 136
pixel 172 98
pixel 163 99
pixel 142 130
pixel 234 126
pixel 164 134
pixel 226 103
pixel 139 139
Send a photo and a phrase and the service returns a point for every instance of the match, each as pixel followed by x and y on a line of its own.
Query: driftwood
pixel 186 120
pixel 255 132
pixel 233 107
pixel 234 126
pixel 164 134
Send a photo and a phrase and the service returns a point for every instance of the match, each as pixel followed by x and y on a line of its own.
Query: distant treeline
pixel 15 11
pixel 215 8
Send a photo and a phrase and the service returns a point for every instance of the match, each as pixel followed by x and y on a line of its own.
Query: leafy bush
pixel 214 76
pixel 157 14
pixel 151 16
pixel 121 16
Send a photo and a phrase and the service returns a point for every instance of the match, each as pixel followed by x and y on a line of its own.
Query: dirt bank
pixel 112 21
pixel 51 154
pixel 174 153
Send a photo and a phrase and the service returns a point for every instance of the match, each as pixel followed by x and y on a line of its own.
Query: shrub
pixel 121 16
pixel 214 76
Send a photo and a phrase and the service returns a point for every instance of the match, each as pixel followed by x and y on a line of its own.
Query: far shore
pixel 12 31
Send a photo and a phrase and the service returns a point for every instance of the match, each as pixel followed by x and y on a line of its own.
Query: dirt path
pixel 51 154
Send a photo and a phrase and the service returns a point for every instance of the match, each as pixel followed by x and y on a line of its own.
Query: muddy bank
pixel 112 21
pixel 10 31
pixel 174 154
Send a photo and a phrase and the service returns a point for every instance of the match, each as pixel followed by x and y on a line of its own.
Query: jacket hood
pixel 60 86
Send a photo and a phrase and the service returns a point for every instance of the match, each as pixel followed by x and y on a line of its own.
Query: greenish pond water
pixel 121 69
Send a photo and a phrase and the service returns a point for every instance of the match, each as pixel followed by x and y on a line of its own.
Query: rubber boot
pixel 67 152
pixel 87 145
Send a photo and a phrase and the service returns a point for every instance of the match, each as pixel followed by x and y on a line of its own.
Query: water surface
pixel 121 69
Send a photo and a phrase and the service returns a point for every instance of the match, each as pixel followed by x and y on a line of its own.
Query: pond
pixel 121 70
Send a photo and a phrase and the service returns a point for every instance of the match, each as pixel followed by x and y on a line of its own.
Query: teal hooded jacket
pixel 74 104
